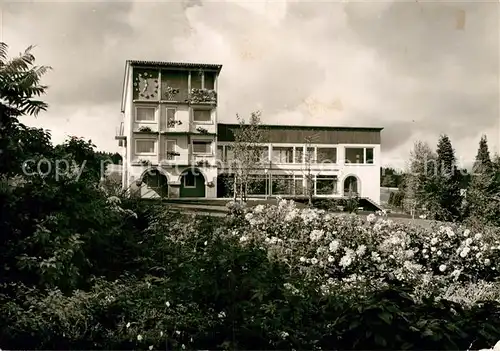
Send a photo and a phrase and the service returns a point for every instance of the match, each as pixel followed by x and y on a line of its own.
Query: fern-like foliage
pixel 20 83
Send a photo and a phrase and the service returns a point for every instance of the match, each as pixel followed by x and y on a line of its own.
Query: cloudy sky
pixel 418 69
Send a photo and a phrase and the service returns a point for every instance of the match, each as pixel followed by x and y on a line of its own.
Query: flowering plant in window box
pixel 144 162
pixel 201 130
pixel 203 96
pixel 170 93
pixel 172 124
pixel 210 184
pixel 145 129
pixel 202 163
pixel 173 153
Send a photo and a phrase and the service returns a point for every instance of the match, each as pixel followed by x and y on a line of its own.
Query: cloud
pixel 416 69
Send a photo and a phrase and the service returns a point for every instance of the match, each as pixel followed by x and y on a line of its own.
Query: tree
pixel 19 88
pixel 389 177
pixel 445 185
pixel 247 153
pixel 308 161
pixel 421 167
pixel 483 161
pixel 482 188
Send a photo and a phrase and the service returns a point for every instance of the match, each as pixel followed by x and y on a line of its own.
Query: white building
pixel 174 147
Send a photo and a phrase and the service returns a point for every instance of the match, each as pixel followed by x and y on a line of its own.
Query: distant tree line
pixel 435 187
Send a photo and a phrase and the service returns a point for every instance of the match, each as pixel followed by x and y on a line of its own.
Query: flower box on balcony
pixel 202 130
pixel 144 129
pixel 202 96
pixel 170 93
pixel 202 163
pixel 172 124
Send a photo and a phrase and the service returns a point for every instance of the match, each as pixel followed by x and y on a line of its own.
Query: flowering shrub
pixel 326 247
pixel 267 277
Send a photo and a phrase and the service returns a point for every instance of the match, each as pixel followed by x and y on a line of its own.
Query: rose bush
pixel 325 247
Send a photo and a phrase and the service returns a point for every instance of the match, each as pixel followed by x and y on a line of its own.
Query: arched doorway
pixel 351 186
pixel 225 184
pixel 192 184
pixel 157 184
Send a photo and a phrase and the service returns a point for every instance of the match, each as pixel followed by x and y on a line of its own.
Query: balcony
pixel 203 96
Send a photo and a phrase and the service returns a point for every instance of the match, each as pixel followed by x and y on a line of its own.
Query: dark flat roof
pixel 302 127
pixel 175 64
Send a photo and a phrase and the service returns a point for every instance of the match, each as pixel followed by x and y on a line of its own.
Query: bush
pixel 271 277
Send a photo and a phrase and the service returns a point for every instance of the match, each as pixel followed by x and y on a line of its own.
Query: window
pixel 196 79
pixel 145 114
pixel 229 153
pixel 145 146
pixel 354 155
pixel 282 184
pixel 171 149
pixel 171 117
pixel 189 180
pixel 326 185
pixel 299 154
pixel 350 185
pixel 309 156
pixel 156 182
pixel 282 154
pixel 202 116
pixel 202 147
pixel 369 155
pixel 263 154
pixel 299 186
pixel 327 155
pixel 359 155
pixel 258 185
pixel 209 80
pixel 220 153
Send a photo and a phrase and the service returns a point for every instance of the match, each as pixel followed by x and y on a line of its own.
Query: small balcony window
pixel 145 114
pixel 202 147
pixel 145 147
pixel 203 116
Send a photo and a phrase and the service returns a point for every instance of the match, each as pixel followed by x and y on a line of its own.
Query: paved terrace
pixel 217 207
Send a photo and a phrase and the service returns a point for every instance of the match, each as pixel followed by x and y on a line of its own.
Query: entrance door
pixel 193 184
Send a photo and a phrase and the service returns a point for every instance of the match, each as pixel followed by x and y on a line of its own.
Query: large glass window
pixel 328 155
pixel 359 155
pixel 326 185
pixel 282 154
pixel 282 184
pixel 258 185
